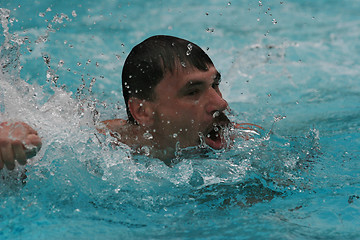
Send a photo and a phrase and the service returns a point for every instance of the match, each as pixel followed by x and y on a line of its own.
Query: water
pixel 289 66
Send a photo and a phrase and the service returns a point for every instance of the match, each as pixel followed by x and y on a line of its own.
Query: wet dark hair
pixel 150 60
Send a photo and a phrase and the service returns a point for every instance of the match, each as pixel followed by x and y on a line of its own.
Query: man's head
pixel 150 60
pixel 171 89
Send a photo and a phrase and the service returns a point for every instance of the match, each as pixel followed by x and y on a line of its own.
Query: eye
pixel 193 92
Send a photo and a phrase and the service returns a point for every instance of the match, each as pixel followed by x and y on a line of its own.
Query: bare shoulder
pixel 124 132
pixel 114 125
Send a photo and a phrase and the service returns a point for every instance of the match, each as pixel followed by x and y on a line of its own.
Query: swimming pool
pixel 289 66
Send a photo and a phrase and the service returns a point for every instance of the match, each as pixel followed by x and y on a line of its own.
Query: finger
pixel 29 130
pixel 34 140
pixel 34 143
pixel 20 130
pixel 19 152
pixel 7 155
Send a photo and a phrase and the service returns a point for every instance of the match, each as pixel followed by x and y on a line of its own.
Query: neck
pixel 139 138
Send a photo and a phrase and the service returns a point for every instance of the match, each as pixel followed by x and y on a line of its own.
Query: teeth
pixel 216 114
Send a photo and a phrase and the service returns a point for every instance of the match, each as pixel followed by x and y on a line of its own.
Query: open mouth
pixel 214 137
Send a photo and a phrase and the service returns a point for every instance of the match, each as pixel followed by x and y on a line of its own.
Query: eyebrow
pixel 193 83
pixel 196 82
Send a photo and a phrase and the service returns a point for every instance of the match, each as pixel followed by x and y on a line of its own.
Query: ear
pixel 142 111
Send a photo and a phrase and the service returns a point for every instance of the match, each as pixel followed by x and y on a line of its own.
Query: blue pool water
pixel 289 66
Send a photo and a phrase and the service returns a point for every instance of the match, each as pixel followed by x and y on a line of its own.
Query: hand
pixel 17 141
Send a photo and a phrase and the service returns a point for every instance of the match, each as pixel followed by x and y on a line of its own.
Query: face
pixel 187 104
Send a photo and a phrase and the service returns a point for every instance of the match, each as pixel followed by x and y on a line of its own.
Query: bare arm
pixel 15 140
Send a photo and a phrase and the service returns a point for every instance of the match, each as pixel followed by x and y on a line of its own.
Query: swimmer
pixel 172 97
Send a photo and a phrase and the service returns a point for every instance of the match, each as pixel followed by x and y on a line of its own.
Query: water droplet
pixel 118 57
pixel 79 64
pixel 202 140
pixel 189 47
pixel 210 30
pixel 48 9
pixel 148 136
pixel 207 14
pixel 216 114
pixel 278 118
pixel 61 63
pixel 183 64
pixel 146 150
pixel 41 14
pixel 229 3
pixel 46 59
pixel 73 13
pixel 175 135
pixel 274 21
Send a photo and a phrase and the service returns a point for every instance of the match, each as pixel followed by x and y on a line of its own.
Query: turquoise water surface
pixel 289 66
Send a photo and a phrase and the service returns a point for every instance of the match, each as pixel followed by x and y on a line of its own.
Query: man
pixel 172 97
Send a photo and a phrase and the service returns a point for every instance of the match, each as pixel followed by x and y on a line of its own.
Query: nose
pixel 215 102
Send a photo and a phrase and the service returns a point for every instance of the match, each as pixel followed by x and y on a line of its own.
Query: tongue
pixel 214 141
